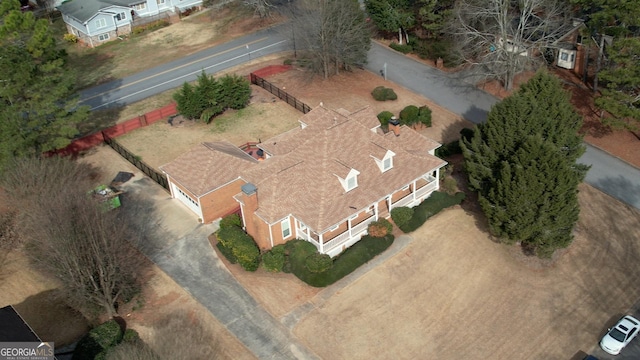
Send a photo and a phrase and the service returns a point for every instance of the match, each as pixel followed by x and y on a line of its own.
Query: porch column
pixel 375 211
pixel 413 190
pixel 321 240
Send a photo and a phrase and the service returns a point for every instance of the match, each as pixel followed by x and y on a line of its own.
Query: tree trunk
pixel 400 36
pixel 598 64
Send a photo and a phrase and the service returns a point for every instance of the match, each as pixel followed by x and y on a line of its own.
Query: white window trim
pixel 123 16
pixel 352 175
pixel 334 228
pixel 353 217
pixel 285 225
pixel 381 162
pixel 104 37
pixel 101 23
pixel 405 188
pixel 140 6
pixel 161 2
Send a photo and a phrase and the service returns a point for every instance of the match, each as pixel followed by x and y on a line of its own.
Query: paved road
pixel 153 81
pixel 609 174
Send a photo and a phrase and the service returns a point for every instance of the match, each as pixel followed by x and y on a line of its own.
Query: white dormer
pixel 386 163
pixel 350 182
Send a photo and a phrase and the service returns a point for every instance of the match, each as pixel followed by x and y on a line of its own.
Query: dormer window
pixel 350 182
pixel 386 163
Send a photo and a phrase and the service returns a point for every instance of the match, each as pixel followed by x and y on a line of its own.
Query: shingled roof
pixel 208 166
pixel 300 177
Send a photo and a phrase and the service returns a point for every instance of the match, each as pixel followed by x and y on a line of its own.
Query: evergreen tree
pixel 621 94
pixel 522 163
pixel 38 110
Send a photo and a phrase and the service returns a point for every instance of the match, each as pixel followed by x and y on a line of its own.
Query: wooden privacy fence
pixel 136 161
pixel 299 105
pixel 91 140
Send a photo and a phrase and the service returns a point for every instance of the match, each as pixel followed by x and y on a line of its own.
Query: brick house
pixel 98 21
pixel 323 182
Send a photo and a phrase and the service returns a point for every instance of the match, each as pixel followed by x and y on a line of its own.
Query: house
pixel 13 328
pixel 323 181
pixel 97 21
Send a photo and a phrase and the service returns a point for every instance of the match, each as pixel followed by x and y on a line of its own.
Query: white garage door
pixel 186 199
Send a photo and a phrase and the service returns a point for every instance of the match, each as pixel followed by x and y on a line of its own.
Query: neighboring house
pixel 324 181
pixel 13 328
pixel 570 53
pixel 97 21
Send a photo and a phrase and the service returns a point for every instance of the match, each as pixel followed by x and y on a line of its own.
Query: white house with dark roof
pixel 97 21
pixel 324 181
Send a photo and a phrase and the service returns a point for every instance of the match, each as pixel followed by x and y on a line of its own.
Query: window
pixel 121 16
pixel 334 228
pixel 286 228
pixel 103 37
pixel 352 182
pixel 141 6
pixel 387 164
pixel 100 23
pixel 405 188
pixel 564 56
pixel 160 2
pixel 353 217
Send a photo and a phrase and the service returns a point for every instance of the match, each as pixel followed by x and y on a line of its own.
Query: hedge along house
pixel 97 21
pixel 323 182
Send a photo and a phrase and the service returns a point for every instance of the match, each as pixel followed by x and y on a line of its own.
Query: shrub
pixel 424 116
pixel 429 207
pixel 449 149
pixel 384 118
pixel 355 256
pixel 404 48
pixel 450 185
pixel 287 62
pixel 230 220
pixel 401 215
pixel 273 260
pixel 409 115
pixel 70 38
pixel 318 263
pixel 466 133
pixel 382 93
pixel 99 339
pixel 380 228
pixel 227 253
pixel 240 245
pixel 389 94
pixel 235 92
pixel 131 335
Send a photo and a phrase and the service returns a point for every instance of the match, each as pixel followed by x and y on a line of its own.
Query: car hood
pixel 611 344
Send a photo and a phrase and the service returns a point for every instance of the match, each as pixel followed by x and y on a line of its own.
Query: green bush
pixel 429 207
pixel 227 253
pixel 240 245
pixel 466 133
pixel 99 339
pixel 449 185
pixel 235 92
pixel 344 264
pixel 273 260
pixel 382 93
pixel 404 48
pixel 409 115
pixel 287 62
pixel 230 220
pixel 424 116
pixel 131 335
pixel 401 215
pixel 389 94
pixel 449 149
pixel 379 228
pixel 318 263
pixel 384 118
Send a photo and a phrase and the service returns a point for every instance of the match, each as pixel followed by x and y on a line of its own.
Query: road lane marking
pixel 183 76
pixel 176 68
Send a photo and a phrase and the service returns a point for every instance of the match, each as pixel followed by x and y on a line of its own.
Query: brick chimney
pixel 249 199
pixel 394 125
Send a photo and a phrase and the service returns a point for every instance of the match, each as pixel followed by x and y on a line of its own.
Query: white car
pixel 620 335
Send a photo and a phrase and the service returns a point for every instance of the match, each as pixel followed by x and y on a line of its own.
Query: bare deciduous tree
pixel 504 37
pixel 262 8
pixel 332 34
pixel 69 236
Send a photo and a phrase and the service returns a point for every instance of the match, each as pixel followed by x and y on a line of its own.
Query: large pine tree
pixel 522 163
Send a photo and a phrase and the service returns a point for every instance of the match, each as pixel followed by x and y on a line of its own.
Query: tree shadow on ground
pixel 51 319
